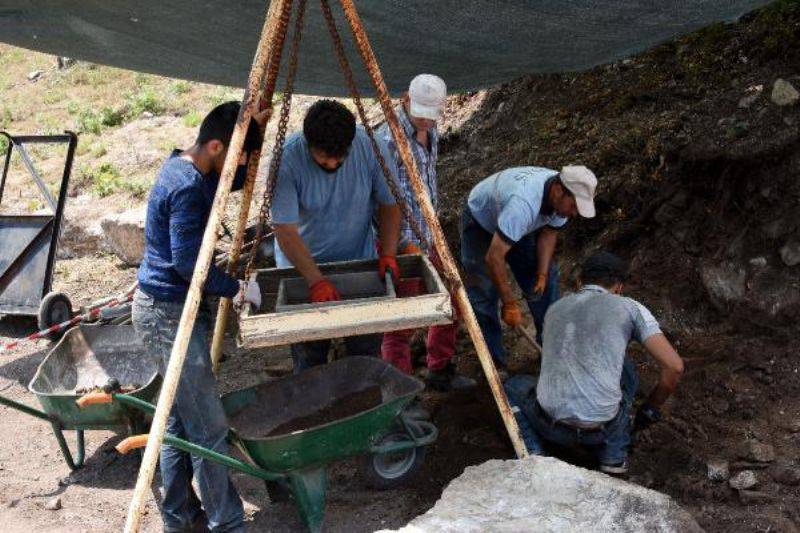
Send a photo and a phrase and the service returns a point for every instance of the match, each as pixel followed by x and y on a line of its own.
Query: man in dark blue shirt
pixel 177 213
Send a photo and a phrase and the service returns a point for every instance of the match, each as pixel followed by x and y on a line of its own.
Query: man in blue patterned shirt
pixel 421 108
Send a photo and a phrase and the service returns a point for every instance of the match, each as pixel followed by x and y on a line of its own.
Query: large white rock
pixel 123 234
pixel 547 495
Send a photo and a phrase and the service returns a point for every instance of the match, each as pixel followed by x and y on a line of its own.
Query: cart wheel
pixel 391 470
pixel 54 309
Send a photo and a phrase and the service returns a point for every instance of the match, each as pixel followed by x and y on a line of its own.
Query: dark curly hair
pixel 604 268
pixel 219 124
pixel 329 126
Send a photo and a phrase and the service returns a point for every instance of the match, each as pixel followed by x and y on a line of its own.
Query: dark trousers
pixel 609 443
pixel 482 293
pixel 313 353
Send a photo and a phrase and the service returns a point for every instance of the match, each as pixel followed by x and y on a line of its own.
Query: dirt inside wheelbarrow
pixel 346 406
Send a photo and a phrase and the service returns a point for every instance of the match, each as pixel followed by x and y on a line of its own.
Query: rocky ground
pixel 696 146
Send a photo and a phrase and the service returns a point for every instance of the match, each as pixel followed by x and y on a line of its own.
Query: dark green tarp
pixel 470 43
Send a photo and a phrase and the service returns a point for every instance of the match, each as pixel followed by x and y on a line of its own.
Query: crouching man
pixel 585 391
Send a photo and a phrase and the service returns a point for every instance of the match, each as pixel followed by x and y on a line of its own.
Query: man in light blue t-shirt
pixel 511 218
pixel 584 394
pixel 329 186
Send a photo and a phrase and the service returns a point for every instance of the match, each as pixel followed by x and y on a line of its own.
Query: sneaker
pixel 616 469
pixel 447 379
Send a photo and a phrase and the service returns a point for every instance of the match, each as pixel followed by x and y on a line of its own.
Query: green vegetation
pixel 192 119
pixel 180 87
pixel 110 117
pixel 106 180
pixel 220 95
pixel 88 121
pixel 6 118
pixel 146 100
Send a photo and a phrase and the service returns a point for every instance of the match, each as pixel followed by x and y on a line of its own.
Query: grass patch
pixel 53 96
pixel 98 150
pixel 6 118
pixel 88 121
pixel 180 87
pixel 192 119
pixel 146 100
pixel 105 180
pixel 224 94
pixel 111 117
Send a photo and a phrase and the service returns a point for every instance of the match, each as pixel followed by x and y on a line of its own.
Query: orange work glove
pixel 410 248
pixel 388 261
pixel 324 291
pixel 539 286
pixel 512 314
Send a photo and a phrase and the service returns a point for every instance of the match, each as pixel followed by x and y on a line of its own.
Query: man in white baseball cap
pixel 421 109
pixel 511 218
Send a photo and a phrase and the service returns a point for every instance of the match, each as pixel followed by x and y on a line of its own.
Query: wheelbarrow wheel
pixel 395 469
pixel 54 309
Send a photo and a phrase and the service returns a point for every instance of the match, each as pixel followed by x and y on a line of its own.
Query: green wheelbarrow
pixel 86 358
pixel 391 445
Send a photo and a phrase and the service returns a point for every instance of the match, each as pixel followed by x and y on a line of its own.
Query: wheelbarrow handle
pixel 140 441
pixel 94 398
pixel 132 443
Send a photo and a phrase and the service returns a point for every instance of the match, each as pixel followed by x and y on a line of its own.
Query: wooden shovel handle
pixel 94 398
pixel 132 443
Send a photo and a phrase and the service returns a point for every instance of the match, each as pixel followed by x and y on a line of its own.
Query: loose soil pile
pixel 344 407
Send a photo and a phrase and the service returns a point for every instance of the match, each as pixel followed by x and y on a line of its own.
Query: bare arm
pixel 496 265
pixel 545 248
pixel 296 251
pixel 389 217
pixel 671 368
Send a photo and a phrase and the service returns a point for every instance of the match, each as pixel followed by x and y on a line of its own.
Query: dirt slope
pixel 698 171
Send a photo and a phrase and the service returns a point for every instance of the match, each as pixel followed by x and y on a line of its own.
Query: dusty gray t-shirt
pixel 586 336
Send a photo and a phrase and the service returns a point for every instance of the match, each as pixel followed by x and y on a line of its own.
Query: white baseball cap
pixel 582 183
pixel 427 94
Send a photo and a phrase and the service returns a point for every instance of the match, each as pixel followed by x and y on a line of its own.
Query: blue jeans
pixel 313 353
pixel 482 293
pixel 197 416
pixel 610 443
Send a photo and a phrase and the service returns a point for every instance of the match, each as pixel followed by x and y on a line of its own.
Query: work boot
pixel 447 379
pixel 415 411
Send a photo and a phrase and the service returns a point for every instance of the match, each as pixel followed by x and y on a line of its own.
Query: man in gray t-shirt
pixel 585 390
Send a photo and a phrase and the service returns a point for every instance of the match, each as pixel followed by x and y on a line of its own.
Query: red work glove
pixel 324 291
pixel 512 314
pixel 410 249
pixel 539 286
pixel 388 261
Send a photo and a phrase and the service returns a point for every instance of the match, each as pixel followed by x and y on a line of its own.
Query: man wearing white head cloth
pixel 421 109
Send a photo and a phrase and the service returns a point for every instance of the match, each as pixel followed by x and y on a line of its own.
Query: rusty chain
pixel 347 71
pixel 283 121
pixel 265 102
